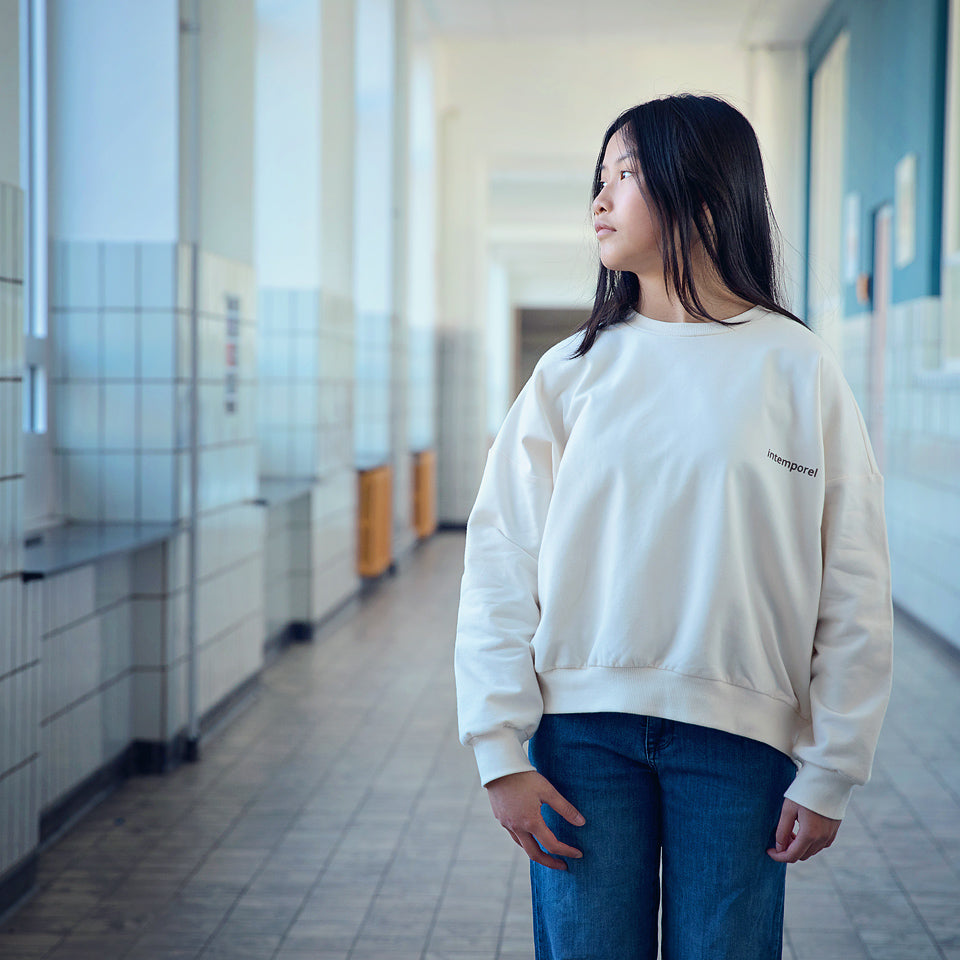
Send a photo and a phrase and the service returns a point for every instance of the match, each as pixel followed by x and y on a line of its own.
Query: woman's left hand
pixel 814 834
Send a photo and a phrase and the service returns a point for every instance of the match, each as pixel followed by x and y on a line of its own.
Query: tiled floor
pixel 337 817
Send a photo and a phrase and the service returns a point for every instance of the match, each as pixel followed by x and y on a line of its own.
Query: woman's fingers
pixel 563 806
pixel 788 817
pixel 516 800
pixel 799 849
pixel 547 839
pixel 535 853
pixel 814 833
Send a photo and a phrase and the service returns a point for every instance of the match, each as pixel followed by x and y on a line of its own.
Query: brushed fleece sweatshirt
pixel 687 522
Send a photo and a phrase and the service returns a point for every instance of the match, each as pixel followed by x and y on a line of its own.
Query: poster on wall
pixel 905 217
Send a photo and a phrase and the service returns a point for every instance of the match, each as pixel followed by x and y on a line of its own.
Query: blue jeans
pixel 705 801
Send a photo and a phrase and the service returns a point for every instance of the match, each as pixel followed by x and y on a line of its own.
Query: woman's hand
pixel 814 834
pixel 516 800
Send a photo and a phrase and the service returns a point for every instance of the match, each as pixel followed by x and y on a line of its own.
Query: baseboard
pixel 156 757
pixel 299 631
pixel 78 800
pixel 17 882
pixel 225 708
pixel 296 631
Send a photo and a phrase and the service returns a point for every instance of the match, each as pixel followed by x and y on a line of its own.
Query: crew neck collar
pixel 699 328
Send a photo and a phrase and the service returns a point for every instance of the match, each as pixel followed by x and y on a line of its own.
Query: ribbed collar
pixel 700 328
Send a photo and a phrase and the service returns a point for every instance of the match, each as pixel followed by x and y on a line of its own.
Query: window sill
pixel 58 549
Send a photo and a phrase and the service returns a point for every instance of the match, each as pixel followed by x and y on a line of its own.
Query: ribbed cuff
pixel 823 791
pixel 498 754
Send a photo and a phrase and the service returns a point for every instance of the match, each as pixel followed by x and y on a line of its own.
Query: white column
pixel 778 86
pixel 19 640
pixel 334 518
pixel 373 242
pixel 421 245
pixel 287 191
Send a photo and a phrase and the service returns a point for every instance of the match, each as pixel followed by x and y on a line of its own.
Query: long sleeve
pixel 498 697
pixel 851 668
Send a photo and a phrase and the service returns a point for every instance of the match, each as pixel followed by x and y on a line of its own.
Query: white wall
pixel 287 150
pixel 777 108
pixel 9 93
pixel 113 141
pixel 337 158
pixel 500 343
pixel 227 65
pixel 374 138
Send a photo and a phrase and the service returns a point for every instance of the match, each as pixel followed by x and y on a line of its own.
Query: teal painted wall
pixel 896 80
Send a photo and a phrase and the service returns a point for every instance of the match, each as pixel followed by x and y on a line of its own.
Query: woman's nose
pixel 599 203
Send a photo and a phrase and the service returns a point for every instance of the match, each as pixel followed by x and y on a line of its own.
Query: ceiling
pixel 746 22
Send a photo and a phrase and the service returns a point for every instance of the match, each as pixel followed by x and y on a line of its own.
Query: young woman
pixel 676 577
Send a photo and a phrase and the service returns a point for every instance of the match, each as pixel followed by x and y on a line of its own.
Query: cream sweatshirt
pixel 687 522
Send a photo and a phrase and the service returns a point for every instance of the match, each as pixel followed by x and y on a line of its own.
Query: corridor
pixel 337 818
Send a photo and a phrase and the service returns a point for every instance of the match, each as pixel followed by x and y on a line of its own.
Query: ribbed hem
pixel 673 696
pixel 699 328
pixel 498 754
pixel 823 791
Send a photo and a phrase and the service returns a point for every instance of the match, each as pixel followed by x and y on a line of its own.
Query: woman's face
pixel 631 243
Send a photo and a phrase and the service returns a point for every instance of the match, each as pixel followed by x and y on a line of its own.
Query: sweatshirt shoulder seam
pixel 514 543
pixel 851 476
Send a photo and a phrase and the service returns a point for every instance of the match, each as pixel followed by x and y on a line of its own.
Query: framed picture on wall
pixel 905 203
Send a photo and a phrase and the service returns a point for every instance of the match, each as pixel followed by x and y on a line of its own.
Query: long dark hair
pixel 694 150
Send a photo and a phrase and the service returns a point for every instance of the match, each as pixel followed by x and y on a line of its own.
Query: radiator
pixel 374 534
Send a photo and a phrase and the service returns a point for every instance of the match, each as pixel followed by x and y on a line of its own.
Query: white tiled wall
pixel 421 410
pixel 116 415
pixel 922 465
pixel 19 657
pixel 288 359
pixel 336 390
pixel 229 446
pixel 286 565
pixel 122 336
pixel 120 328
pixel 372 423
pixel 88 662
pixel 333 506
pixel 307 382
pixel 231 528
pixel 230 606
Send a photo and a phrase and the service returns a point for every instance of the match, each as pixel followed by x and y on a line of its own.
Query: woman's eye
pixel 603 183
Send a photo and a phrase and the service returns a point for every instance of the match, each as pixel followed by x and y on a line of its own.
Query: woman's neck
pixel 657 304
